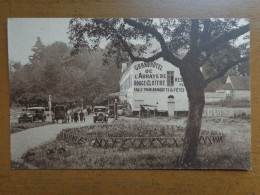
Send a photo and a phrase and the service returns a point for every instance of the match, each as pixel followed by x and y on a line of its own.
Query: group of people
pixel 75 116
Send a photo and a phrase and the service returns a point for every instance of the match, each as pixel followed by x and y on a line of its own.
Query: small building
pixel 157 83
pixel 236 87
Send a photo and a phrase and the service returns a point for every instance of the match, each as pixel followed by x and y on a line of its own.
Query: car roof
pixel 99 107
pixel 33 108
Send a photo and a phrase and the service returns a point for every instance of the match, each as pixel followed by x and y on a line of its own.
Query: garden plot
pixel 136 145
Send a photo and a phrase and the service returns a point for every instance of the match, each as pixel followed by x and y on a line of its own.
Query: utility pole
pixel 82 107
pixel 115 109
pixel 49 105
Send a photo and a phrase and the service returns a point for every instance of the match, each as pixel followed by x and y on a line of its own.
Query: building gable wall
pixel 150 83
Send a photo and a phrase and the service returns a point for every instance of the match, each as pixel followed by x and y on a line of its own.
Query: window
pixel 170 78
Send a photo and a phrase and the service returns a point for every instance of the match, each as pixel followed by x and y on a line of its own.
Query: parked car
pixel 111 110
pixel 25 117
pixel 120 110
pixel 60 113
pixel 100 114
pixel 33 114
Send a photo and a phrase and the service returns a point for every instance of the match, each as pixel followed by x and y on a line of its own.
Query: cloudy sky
pixel 23 32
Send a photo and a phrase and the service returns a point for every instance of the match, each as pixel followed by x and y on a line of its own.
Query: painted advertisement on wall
pixel 155 77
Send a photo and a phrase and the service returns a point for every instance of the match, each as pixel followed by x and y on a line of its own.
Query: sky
pixel 23 33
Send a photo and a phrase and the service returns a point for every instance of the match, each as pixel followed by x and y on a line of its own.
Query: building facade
pixel 236 87
pixel 157 84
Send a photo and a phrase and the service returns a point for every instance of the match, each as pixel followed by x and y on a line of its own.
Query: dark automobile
pixel 25 117
pixel 33 114
pixel 120 110
pixel 111 110
pixel 100 114
pixel 60 113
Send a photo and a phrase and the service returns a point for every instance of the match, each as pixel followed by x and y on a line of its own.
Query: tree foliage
pixel 52 70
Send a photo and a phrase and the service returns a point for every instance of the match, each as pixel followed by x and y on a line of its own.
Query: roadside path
pixel 22 141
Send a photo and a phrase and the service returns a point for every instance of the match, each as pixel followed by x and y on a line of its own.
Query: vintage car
pixel 111 108
pixel 60 113
pixel 100 114
pixel 147 110
pixel 120 110
pixel 25 117
pixel 33 114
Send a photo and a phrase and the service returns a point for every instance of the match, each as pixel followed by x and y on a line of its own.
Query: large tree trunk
pixel 192 130
pixel 194 84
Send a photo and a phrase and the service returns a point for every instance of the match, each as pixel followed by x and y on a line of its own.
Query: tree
pixel 185 43
pixel 53 71
pixel 17 85
pixel 38 52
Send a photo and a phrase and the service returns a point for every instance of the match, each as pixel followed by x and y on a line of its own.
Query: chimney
pixel 124 66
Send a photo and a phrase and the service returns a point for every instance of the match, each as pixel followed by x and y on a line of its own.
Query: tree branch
pixel 167 55
pixel 134 58
pixel 205 59
pixel 194 33
pixel 225 69
pixel 224 38
pixel 205 33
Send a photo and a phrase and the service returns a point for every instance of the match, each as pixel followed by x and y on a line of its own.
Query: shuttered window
pixel 170 78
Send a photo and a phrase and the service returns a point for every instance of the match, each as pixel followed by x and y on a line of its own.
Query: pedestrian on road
pixel 81 115
pixel 88 110
pixel 72 116
pixel 76 117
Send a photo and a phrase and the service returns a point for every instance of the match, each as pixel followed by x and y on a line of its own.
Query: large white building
pixel 158 84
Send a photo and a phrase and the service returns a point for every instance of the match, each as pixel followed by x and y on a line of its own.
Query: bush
pixel 126 129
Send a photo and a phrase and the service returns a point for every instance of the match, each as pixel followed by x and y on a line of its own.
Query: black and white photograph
pixel 129 93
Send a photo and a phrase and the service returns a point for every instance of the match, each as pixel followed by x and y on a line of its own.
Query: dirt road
pixel 30 138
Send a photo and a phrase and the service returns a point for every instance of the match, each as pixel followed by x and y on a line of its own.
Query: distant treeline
pixel 53 70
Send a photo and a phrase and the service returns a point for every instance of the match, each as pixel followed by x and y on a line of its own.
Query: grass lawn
pixel 232 153
pixel 17 127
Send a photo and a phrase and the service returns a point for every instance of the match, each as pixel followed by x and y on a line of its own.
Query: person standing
pixel 76 117
pixel 72 115
pixel 88 110
pixel 81 116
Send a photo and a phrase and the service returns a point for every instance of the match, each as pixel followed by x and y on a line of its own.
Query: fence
pixel 225 112
pixel 135 142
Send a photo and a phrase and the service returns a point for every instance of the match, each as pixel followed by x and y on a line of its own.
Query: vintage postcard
pixel 129 93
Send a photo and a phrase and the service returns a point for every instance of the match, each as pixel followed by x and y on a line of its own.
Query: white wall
pixel 241 94
pixel 214 96
pixel 146 88
pixel 127 94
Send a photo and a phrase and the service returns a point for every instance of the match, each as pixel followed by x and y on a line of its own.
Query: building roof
pixel 215 85
pixel 227 86
pixel 239 82
pixel 120 93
